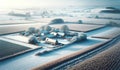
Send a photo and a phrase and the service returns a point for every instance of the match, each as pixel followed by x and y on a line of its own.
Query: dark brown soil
pixel 80 27
pixel 107 60
pixel 108 34
pixel 7 49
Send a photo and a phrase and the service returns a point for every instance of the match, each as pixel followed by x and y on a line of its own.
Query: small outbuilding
pixel 51 41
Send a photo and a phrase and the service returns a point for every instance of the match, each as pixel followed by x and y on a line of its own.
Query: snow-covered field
pixel 87 15
pixel 29 60
pixel 40 17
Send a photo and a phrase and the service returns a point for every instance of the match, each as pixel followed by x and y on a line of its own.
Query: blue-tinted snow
pixel 29 60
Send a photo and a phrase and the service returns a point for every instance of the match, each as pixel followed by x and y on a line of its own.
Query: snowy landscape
pixel 87 15
pixel 59 35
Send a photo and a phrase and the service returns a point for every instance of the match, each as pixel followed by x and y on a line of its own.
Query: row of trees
pixel 59 20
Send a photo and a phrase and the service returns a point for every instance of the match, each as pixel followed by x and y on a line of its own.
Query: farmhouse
pixel 51 41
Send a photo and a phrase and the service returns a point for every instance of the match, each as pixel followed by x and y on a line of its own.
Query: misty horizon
pixel 7 4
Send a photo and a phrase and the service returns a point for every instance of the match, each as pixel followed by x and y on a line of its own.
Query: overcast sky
pixel 53 3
